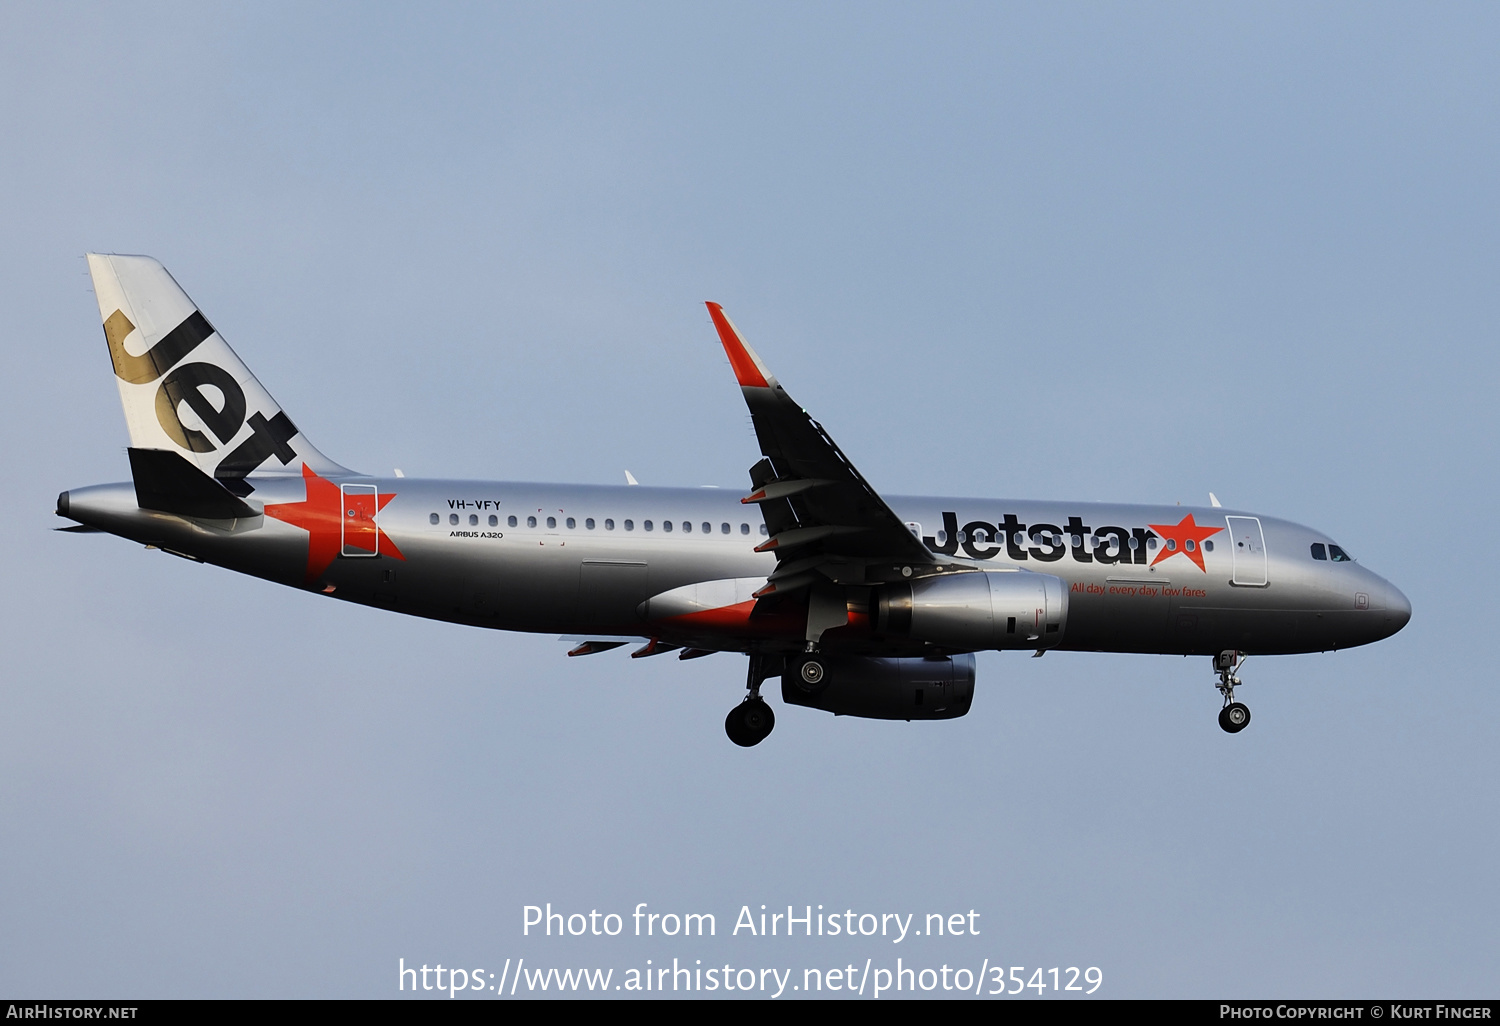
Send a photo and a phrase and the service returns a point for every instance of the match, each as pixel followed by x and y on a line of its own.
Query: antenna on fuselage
pixel 630 478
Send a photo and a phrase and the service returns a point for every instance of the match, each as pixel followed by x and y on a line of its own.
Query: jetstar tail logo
pixel 222 410
pixel 1184 537
pixel 337 522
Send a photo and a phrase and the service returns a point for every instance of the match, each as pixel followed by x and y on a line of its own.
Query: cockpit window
pixel 1338 555
pixel 1318 551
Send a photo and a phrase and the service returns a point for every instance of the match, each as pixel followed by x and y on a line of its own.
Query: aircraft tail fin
pixel 184 390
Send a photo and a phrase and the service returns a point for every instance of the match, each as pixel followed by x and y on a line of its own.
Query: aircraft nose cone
pixel 1397 609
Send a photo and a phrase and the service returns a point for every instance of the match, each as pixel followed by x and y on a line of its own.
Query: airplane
pixel 861 605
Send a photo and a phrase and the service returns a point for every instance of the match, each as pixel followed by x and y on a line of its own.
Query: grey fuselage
pixel 448 550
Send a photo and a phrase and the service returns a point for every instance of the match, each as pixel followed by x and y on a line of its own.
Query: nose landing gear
pixel 1235 716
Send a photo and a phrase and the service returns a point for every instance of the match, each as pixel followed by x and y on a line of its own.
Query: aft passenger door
pixel 1249 551
pixel 360 536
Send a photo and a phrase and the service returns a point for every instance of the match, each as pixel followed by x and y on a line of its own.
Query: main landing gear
pixel 1235 716
pixel 751 722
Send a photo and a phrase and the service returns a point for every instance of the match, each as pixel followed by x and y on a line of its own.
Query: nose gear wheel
pixel 1235 716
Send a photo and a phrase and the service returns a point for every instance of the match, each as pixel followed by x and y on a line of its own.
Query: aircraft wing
pixel 824 519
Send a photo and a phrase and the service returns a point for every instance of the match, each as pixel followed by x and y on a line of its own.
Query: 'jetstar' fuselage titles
pixel 1011 539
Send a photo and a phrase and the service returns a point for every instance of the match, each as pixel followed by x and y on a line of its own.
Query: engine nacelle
pixel 981 610
pixel 882 688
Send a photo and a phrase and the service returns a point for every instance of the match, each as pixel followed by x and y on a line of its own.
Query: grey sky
pixel 1096 252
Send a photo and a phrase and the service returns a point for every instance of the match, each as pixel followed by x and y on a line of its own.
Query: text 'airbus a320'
pixel 862 605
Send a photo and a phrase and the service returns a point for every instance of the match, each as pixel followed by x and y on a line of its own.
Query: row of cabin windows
pixel 589 524
pixel 1334 553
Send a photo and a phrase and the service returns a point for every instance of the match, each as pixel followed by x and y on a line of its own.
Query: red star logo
pixel 1187 538
pixel 335 521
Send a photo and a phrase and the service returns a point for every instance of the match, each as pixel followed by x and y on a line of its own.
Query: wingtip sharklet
pixel 748 368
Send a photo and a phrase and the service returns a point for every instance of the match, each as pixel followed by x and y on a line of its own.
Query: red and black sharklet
pixel 748 369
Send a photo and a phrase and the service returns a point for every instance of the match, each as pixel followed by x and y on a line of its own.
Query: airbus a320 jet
pixel 861 605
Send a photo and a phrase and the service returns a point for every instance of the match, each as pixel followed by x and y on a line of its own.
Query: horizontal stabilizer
pixel 166 482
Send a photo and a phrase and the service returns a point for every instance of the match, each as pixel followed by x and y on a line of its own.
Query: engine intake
pixel 881 688
pixel 986 609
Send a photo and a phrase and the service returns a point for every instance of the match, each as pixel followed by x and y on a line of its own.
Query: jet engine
pixel 985 609
pixel 882 688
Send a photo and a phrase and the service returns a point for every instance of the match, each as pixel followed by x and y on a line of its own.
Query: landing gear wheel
pixel 1234 717
pixel 750 722
pixel 811 676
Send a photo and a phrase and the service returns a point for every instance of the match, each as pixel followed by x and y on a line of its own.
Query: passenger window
pixel 744 529
pixel 609 525
pixel 551 521
pixel 494 520
pixel 531 521
pixel 432 519
pixel 510 522
pixel 1208 546
pixel 453 519
pixel 1318 552
pixel 646 524
pixel 473 519
pixel 723 528
pixel 572 523
pixel 589 523
pixel 630 525
pixel 666 525
pixel 708 528
pixel 687 527
pixel 763 530
pixel 1338 555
